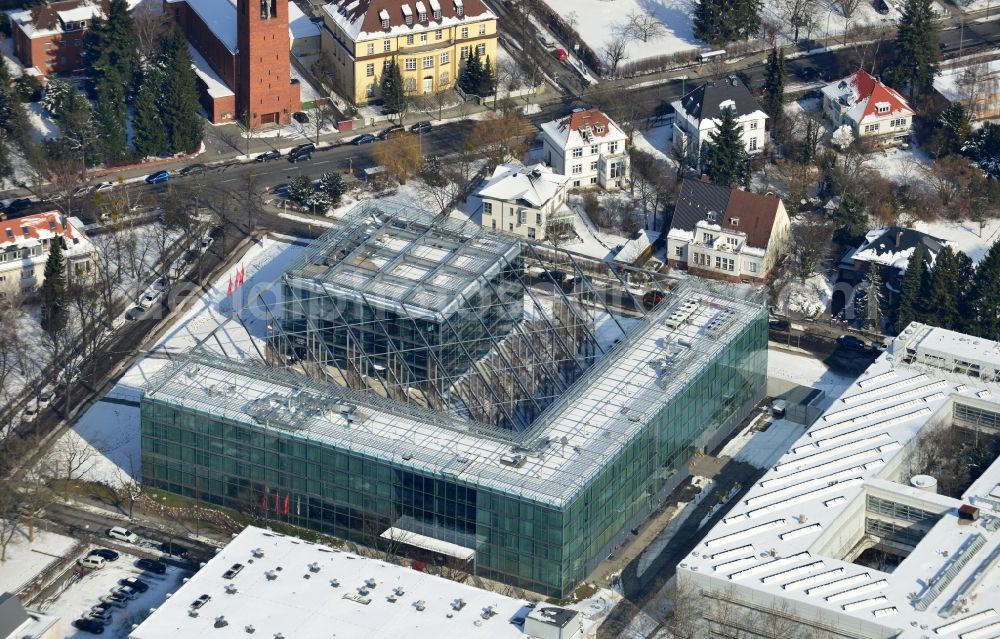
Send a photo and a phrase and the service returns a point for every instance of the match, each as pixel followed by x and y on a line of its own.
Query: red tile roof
pixel 46 16
pixel 591 118
pixel 40 226
pixel 875 92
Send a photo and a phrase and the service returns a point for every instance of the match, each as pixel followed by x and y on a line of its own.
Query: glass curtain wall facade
pixel 541 546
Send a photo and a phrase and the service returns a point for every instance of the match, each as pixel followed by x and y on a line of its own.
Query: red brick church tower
pixel 265 93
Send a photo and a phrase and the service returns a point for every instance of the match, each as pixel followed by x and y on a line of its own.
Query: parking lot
pixel 83 589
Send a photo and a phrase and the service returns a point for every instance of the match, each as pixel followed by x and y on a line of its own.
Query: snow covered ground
pixel 307 92
pixel 804 299
pixel 107 435
pixel 806 370
pixel 26 560
pixel 900 166
pixel 598 20
pixel 655 141
pixel 964 236
pixel 83 592
pixel 828 19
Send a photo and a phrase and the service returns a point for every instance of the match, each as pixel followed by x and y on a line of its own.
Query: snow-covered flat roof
pixel 216 86
pixel 560 452
pixel 299 24
pixel 287 587
pixel 219 16
pixel 793 536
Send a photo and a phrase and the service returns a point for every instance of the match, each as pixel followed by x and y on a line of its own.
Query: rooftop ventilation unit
pixel 220 622
pixel 257 553
pixel 421 605
pixel 314 567
pixel 335 583
pixel 271 575
pixel 250 629
pixel 489 612
pixel 398 590
pixel 369 583
pixel 458 604
pixel 231 589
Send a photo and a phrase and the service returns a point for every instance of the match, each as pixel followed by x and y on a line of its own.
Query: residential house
pixel 976 84
pixel 638 249
pixel 24 249
pixel 588 147
pixel 698 114
pixel 49 38
pixel 241 54
pixel 875 112
pixel 428 39
pixel 726 233
pixel 526 200
pixel 890 250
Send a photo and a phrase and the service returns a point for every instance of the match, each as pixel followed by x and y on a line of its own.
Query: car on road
pixel 133 313
pixel 391 132
pixel 136 584
pixel 92 626
pixel 105 553
pixel 101 187
pixel 366 138
pixel 101 608
pixel 30 412
pixel 18 205
pixel 93 562
pixel 115 599
pixel 147 300
pixel 206 243
pixel 561 55
pixel 153 566
pixel 102 616
pixel 192 169
pixel 126 591
pixel 267 156
pixel 158 178
pixel 301 152
pixel 123 534
pixel 170 548
pixel 808 74
pixel 45 396
pixel 421 127
pixel 850 341
pixel 301 117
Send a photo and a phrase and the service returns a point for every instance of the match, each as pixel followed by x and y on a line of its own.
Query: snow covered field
pixel 655 141
pixel 598 20
pixel 107 435
pixel 964 236
pixel 84 592
pixel 900 166
pixel 26 560
pixel 806 370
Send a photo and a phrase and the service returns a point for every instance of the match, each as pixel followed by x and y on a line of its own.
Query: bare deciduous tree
pixel 10 519
pixel 401 156
pixel 643 26
pixel 149 26
pixel 847 8
pixel 615 52
pixel 798 14
pixel 810 246
pixel 500 139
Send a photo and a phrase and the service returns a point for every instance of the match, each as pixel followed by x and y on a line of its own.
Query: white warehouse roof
pixel 790 541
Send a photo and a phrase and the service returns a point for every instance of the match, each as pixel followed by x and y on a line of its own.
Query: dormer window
pixel 383 17
pixel 437 14
pixel 710 216
pixel 407 15
pixel 459 8
pixel 734 221
pixel 599 127
pixel 385 24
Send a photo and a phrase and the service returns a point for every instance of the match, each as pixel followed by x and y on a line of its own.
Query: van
pixel 92 562
pixel 301 152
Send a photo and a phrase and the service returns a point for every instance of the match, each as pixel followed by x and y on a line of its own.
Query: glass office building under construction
pixel 563 412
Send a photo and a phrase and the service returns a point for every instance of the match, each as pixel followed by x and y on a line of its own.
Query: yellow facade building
pixel 429 39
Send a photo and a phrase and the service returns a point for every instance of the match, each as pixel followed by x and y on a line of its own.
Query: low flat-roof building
pixel 883 519
pixel 527 463
pixel 270 585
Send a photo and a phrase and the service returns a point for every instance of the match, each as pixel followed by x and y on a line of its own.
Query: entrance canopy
pixel 428 543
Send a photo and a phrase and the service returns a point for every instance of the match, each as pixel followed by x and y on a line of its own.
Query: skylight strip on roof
pixel 895 421
pixel 811 579
pixel 793 572
pixel 854 592
pixel 861 604
pixel 884 389
pixel 746 532
pixel 816 481
pixel 732 552
pixel 985 632
pixel 916 392
pixel 839 583
pixel 965 622
pixel 881 377
pixel 801 532
pixel 804 497
pixel 767 566
pixel 798 462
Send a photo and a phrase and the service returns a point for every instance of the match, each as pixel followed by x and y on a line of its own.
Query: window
pixel 593 180
pixel 538 218
pixel 429 62
pixel 438 34
pixel 385 24
pixel 578 153
pixel 679 250
pixel 612 147
pixel 734 221
pixel 437 16
pixel 385 64
pixel 488 208
pixel 725 264
pixel 409 39
pixel 459 10
pixel 882 108
pixel 510 227
pixel 753 125
pixel 595 149
pixel 464 33
pixel 576 182
pixel 707 238
pixel 753 144
pixel 423 16
pixel 522 216
pixel 753 267
pixel 617 169
pixel 494 225
pixel 423 37
pixel 387 45
pixel 898 122
pixel 370 91
pixel 732 241
pixel 410 64
pixel 871 128
pixel 411 85
pixel 370 69
pixel 445 57
pixel 464 53
pixel 577 169
pixel 409 19
pixel 371 49
pixel 593 166
pixel 531 233
pixel 481 49
pixel 445 78
pixel 482 29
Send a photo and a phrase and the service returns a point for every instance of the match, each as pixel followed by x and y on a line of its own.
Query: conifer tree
pixel 333 185
pixel 907 303
pixel 870 303
pixel 966 273
pixel 720 21
pixel 774 86
pixel 726 159
pixel 180 110
pixel 471 75
pixel 150 135
pixel 53 289
pixel 13 117
pixel 393 91
pixel 851 219
pixel 109 54
pixel 984 321
pixel 110 114
pixel 955 128
pixel 917 52
pixel 487 79
pixel 940 302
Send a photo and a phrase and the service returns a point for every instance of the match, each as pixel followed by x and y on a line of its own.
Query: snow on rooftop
pixel 353 28
pixel 535 184
pixel 288 587
pixel 299 24
pixel 215 85
pixel 595 417
pixel 788 537
pixel 219 16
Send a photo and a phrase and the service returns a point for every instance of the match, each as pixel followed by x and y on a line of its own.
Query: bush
pixel 29 89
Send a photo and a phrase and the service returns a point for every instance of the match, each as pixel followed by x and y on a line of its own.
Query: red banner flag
pixel 263 500
pixel 242 275
pixel 277 501
pixel 229 291
pixel 286 503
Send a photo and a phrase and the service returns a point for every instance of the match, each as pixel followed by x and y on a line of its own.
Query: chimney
pixel 899 237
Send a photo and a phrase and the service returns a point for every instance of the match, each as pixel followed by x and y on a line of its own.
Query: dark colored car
pixel 392 131
pixel 171 548
pixel 301 152
pixel 652 298
pixel 267 156
pixel 808 74
pixel 153 566
pixel 106 553
pixel 158 178
pixel 192 169
pixel 92 626
pixel 18 205
pixel 300 117
pixel 850 341
pixel 281 190
pixel 881 6
pixel 778 324
pixel 421 127
pixel 367 138
pixel 136 584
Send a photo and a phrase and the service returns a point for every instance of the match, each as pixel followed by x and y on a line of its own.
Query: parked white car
pixel 123 534
pixel 30 412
